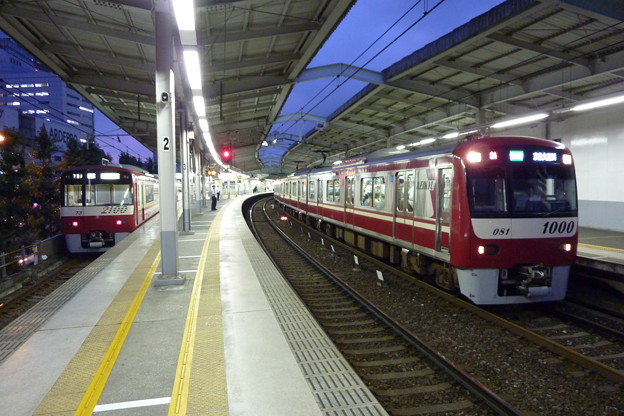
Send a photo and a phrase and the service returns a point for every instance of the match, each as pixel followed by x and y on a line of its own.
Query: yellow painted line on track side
pixel 92 395
pixel 619 250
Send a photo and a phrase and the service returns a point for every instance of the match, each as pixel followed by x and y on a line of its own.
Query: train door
pixel 444 208
pixel 142 200
pixel 403 205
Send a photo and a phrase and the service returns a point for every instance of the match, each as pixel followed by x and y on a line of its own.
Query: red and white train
pixel 101 205
pixel 495 218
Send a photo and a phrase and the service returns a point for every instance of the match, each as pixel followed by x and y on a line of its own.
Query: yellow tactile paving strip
pixel 77 389
pixel 200 385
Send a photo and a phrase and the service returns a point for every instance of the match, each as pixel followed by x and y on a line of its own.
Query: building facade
pixel 32 98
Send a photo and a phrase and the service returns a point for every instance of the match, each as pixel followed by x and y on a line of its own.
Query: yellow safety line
pixel 601 247
pixel 179 395
pixel 92 395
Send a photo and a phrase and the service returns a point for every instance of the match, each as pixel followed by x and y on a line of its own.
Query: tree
pixel 151 166
pixel 15 188
pixel 78 154
pixel 46 193
pixel 127 159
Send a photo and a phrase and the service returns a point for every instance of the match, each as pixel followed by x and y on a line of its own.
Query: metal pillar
pixel 199 180
pixel 165 129
pixel 184 166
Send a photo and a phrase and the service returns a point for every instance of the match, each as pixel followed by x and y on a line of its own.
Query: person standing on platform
pixel 213 197
pixel 218 193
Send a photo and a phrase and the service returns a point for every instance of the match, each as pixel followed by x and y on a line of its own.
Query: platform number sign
pixel 166 144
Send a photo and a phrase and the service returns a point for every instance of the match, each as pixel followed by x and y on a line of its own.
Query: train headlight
pixel 120 222
pixel 487 250
pixel 74 224
pixel 284 218
pixel 567 247
pixel 474 157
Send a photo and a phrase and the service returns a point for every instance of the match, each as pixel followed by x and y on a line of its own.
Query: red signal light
pixel 226 154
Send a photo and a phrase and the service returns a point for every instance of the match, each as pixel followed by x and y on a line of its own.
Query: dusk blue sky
pixel 106 133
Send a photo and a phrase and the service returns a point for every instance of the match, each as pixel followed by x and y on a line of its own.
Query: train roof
pixel 113 166
pixel 395 155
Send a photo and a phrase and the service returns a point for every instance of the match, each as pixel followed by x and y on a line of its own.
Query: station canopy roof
pixel 522 57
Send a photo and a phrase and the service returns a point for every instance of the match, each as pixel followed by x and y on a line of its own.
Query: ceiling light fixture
pixel 519 120
pixel 600 103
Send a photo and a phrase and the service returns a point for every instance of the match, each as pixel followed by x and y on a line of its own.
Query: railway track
pixel 597 338
pixel 25 310
pixel 515 359
pixel 20 301
pixel 407 376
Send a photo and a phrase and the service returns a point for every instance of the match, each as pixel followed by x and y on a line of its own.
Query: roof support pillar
pixel 184 167
pixel 165 130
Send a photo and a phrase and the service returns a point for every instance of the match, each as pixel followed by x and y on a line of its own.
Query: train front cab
pixel 523 220
pixel 98 208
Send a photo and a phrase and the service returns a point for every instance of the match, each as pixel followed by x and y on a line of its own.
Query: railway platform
pixel 603 250
pixel 232 340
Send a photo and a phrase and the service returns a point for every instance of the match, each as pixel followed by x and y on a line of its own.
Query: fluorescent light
pixel 193 71
pixel 451 135
pixel 185 14
pixel 338 162
pixel 203 125
pixel 520 120
pixel 200 106
pixel 400 147
pixel 427 141
pixel 599 103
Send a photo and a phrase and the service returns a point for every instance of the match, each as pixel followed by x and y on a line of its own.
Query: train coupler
pixel 535 280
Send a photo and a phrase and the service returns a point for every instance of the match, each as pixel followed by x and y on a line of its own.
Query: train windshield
pixel 97 188
pixel 526 190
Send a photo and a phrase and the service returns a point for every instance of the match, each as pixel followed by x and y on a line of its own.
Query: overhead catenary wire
pixel 303 110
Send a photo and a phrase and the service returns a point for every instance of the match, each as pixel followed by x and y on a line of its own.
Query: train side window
pixel 366 191
pixel 400 193
pixel 333 190
pixel 337 190
pixel 410 192
pixel 304 190
pixel 312 190
pixel 379 192
pixel 447 188
pixel 350 190
pixel 122 194
pixel 149 192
